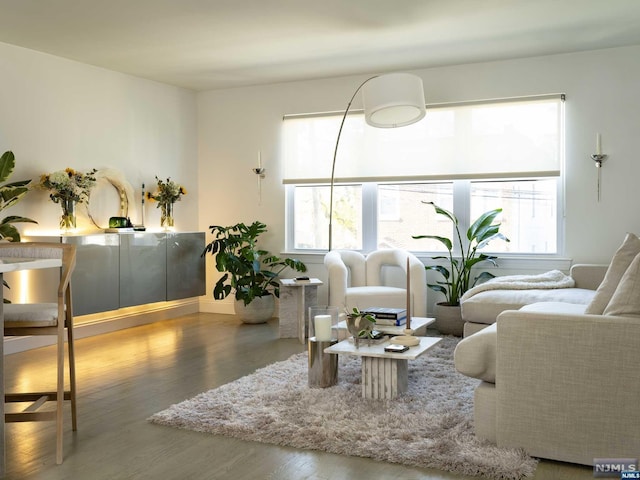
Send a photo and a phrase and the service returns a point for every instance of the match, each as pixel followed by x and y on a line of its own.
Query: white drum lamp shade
pixel 393 100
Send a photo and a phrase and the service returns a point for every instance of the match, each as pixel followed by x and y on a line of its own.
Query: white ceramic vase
pixel 258 311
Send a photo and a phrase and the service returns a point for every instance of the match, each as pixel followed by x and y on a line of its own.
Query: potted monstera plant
pixel 10 194
pixel 457 273
pixel 250 273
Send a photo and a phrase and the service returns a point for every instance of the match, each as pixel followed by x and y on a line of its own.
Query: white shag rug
pixel 429 426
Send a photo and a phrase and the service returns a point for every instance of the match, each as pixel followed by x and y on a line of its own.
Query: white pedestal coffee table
pixel 384 374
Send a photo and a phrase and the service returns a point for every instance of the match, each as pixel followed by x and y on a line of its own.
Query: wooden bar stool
pixel 45 319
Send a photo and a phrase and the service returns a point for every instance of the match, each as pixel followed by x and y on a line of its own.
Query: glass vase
pixel 166 217
pixel 360 328
pixel 68 218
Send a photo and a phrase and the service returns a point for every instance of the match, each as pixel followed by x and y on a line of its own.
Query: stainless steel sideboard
pixel 117 270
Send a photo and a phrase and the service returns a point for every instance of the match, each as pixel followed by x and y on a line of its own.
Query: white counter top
pixel 12 264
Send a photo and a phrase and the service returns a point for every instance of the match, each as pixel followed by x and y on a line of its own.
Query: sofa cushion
pixel 625 301
pixel 374 296
pixel 19 315
pixel 485 307
pixel 555 307
pixel 475 356
pixel 618 266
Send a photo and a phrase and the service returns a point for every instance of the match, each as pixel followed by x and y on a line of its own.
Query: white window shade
pixel 494 139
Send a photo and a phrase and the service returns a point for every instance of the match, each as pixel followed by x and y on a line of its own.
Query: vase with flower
pixel 68 188
pixel 167 193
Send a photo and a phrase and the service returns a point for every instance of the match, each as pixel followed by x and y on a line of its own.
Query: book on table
pixel 384 322
pixel 388 316
pixel 386 312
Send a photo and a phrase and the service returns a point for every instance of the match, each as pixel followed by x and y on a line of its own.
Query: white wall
pixel 56 113
pixel 602 96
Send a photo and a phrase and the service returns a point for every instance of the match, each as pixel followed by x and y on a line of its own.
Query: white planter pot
pixel 258 311
pixel 449 319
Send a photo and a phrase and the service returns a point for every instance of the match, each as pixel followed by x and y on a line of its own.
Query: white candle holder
pixel 323 323
pixel 323 333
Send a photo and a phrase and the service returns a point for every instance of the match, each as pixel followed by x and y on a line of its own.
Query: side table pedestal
pixel 295 300
pixel 384 377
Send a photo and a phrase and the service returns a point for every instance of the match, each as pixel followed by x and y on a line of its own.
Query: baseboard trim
pixel 217 306
pixel 97 324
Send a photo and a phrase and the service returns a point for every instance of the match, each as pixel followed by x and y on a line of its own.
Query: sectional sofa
pixel 562 380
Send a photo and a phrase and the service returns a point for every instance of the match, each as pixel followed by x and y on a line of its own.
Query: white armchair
pixel 377 280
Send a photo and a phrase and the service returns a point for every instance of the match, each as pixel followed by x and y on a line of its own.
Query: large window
pixel 467 158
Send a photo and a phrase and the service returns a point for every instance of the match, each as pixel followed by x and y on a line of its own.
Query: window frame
pixel 461 208
pixel 461 195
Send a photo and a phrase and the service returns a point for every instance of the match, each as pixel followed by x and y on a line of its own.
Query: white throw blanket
pixel 551 279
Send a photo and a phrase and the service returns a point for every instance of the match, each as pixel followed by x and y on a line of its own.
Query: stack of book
pixel 388 316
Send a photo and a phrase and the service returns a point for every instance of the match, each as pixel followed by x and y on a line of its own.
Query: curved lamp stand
pixel 390 100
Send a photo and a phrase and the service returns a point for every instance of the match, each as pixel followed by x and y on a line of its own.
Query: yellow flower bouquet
pixel 167 193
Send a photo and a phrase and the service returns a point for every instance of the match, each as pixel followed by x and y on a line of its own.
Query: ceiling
pixel 211 44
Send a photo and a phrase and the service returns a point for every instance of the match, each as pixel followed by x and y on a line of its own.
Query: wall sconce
pixel 260 174
pixel 599 158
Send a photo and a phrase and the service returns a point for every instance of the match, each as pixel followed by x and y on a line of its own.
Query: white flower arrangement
pixel 69 184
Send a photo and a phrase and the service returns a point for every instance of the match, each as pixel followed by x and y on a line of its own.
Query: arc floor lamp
pixel 390 100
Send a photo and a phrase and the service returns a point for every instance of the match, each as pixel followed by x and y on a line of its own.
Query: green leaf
pixel 19 183
pixel 480 228
pixel 495 236
pixel 444 240
pixel 444 212
pixel 483 277
pixel 437 288
pixel 440 269
pixel 471 262
pixel 220 291
pixel 9 231
pixel 10 194
pixel 7 164
pixel 16 219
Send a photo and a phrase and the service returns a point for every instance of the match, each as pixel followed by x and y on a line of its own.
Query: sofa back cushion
pixel 486 306
pixel 623 257
pixel 625 301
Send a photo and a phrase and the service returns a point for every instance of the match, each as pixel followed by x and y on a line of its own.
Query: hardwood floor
pixel 126 376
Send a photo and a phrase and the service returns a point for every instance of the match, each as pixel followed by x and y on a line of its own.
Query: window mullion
pixel 369 216
pixel 462 209
pixel 289 218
